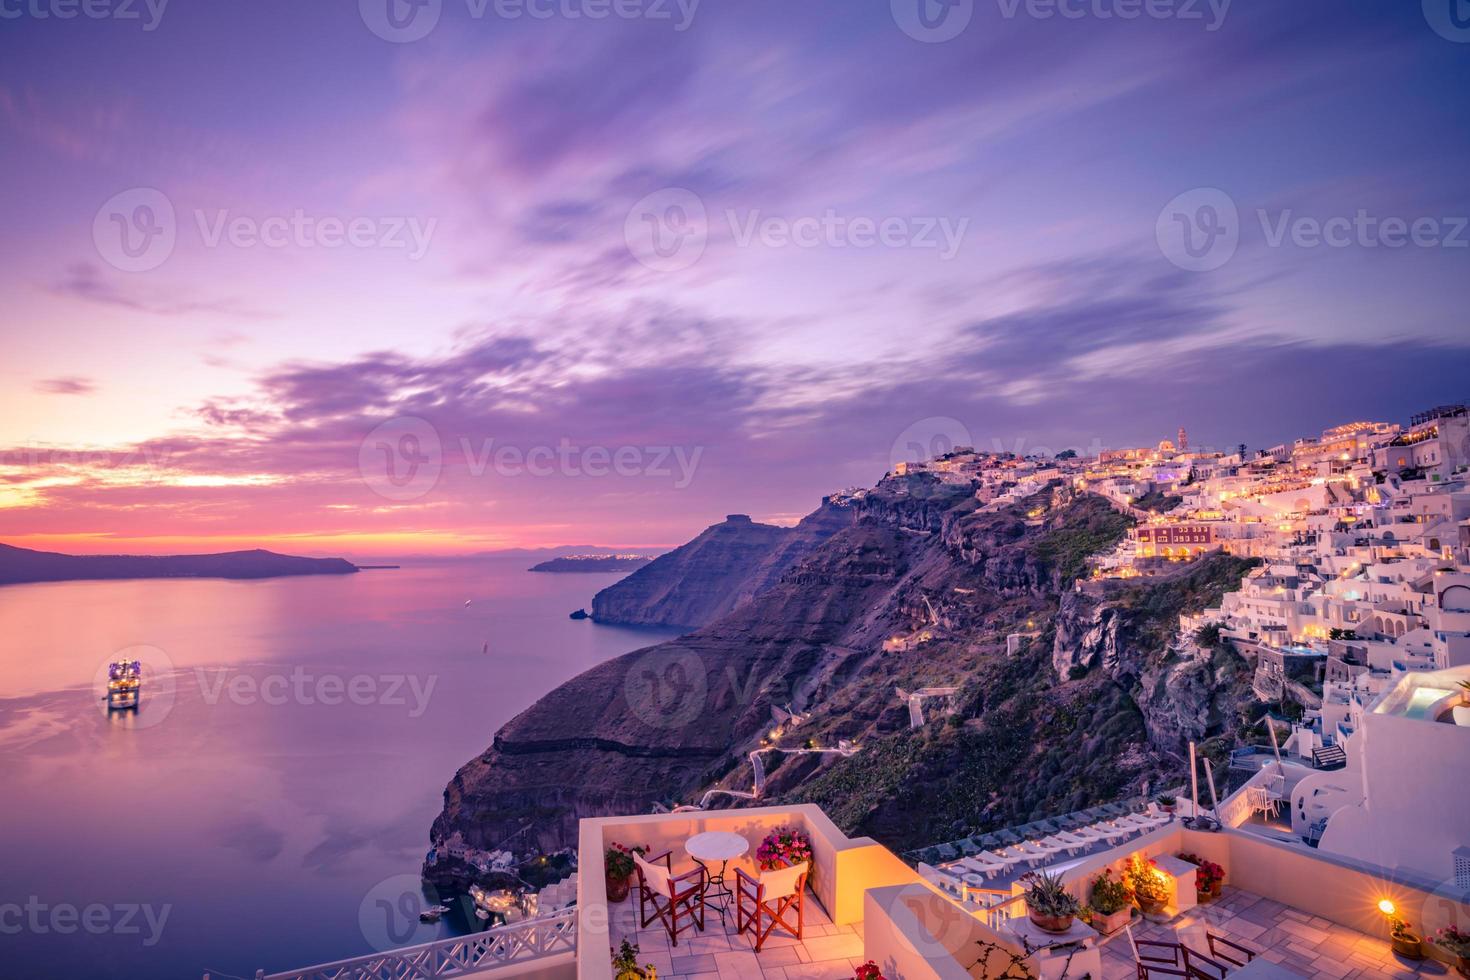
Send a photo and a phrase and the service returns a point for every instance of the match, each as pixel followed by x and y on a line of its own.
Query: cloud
pixel 69 385
pixel 86 281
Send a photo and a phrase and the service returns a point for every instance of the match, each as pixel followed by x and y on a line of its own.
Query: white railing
pixel 515 943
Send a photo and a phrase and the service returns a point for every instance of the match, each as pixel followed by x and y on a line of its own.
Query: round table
pixel 721 846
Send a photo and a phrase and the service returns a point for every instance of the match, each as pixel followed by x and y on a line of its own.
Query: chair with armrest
pixel 1228 951
pixel 765 902
pixel 1159 959
pixel 676 900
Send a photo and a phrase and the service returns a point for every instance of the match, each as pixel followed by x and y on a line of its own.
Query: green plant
pixel 1149 885
pixel 1109 895
pixel 625 964
pixel 617 860
pixel 1047 895
pixel 868 971
pixel 1402 930
pixel 1167 800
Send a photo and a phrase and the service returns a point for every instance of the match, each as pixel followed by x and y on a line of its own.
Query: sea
pixel 268 805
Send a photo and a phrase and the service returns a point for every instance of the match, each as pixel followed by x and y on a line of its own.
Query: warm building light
pixel 1386 907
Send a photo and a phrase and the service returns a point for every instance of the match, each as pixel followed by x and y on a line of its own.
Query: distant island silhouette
pixel 20 565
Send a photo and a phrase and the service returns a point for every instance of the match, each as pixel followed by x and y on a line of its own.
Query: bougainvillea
pixel 782 848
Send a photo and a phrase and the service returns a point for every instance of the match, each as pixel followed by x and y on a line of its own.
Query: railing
pixel 515 943
pixel 1012 908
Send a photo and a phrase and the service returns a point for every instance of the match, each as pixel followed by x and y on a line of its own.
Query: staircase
pixel 1329 757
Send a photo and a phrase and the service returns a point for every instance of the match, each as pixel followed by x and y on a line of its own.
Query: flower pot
pixel 1409 946
pixel 1150 908
pixel 1109 924
pixel 1462 965
pixel 617 888
pixel 1051 923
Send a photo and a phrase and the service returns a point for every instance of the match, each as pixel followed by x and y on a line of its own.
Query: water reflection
pixel 285 761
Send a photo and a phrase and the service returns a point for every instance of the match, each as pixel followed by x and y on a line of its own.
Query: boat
pixel 124 684
pixel 432 913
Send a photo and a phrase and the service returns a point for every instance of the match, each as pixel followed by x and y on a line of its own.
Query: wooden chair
pixel 673 898
pixel 1157 959
pixel 1228 951
pixel 763 903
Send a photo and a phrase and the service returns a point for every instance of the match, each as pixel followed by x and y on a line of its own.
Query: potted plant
pixel 1405 942
pixel 1457 944
pixel 1167 803
pixel 1051 907
pixel 1149 885
pixel 625 964
pixel 1208 879
pixel 1111 903
pixel 782 848
pixel 617 862
pixel 868 971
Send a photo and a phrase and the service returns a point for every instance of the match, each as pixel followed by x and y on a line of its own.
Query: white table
pixel 721 846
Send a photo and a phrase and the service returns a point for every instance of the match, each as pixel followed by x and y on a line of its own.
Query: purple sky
pixel 605 279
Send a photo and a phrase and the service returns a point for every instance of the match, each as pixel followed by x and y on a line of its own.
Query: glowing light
pixel 1386 907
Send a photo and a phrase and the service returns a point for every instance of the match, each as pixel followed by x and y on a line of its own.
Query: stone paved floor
pixel 826 952
pixel 1312 947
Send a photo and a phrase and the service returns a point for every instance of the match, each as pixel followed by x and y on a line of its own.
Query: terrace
pixel 1295 909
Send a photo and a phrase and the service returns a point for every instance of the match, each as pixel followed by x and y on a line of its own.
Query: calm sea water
pixel 278 783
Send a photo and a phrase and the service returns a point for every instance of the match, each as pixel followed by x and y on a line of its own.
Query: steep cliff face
pixel 915 589
pixel 724 567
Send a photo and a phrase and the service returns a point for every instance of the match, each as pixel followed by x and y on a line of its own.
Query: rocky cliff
pixel 724 567
pixel 916 588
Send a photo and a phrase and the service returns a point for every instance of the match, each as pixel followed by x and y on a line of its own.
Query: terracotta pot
pixel 1051 923
pixel 617 888
pixel 1409 947
pixel 1109 924
pixel 1149 908
pixel 1462 966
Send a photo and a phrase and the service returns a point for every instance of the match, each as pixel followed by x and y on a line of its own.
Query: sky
pixel 439 276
